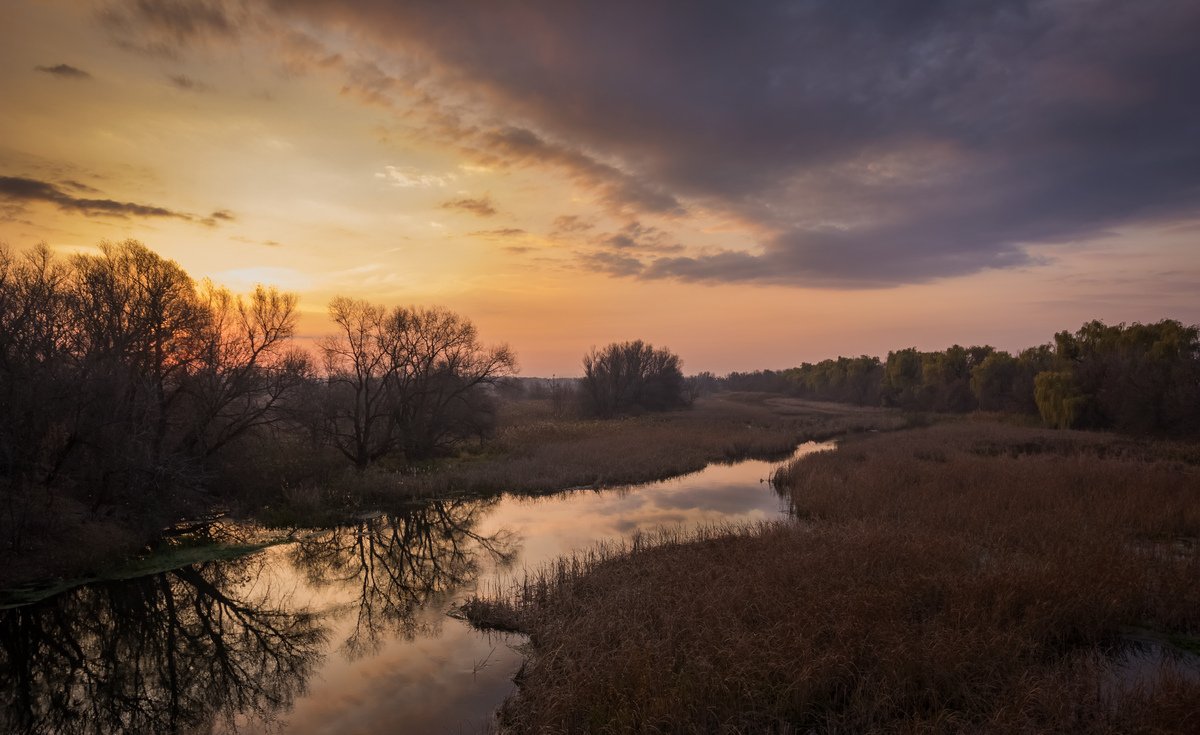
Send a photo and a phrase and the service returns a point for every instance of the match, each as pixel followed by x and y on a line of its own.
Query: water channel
pixel 342 631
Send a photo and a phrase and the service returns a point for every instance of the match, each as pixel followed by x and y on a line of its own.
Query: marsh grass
pixel 534 452
pixel 537 450
pixel 948 579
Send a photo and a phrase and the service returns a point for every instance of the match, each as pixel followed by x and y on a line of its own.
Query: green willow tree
pixel 1141 377
pixel 1059 400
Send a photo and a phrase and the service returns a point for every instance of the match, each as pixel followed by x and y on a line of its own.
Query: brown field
pixel 535 452
pixel 968 577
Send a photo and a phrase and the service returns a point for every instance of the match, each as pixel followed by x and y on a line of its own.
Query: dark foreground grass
pixel 969 577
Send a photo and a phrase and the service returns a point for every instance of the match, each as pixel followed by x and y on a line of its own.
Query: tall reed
pixel 968 577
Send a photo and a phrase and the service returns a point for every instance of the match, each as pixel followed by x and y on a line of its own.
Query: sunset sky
pixel 751 184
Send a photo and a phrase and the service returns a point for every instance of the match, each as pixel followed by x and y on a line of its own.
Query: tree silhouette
pixel 629 376
pixel 171 652
pixel 397 563
pixel 413 379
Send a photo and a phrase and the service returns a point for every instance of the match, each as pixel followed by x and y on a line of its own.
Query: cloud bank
pixel 19 189
pixel 854 144
pixel 64 71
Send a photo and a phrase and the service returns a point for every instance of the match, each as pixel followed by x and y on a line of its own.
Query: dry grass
pixel 534 452
pixel 969 577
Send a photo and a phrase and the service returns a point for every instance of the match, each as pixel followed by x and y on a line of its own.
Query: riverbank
pixel 969 575
pixel 534 452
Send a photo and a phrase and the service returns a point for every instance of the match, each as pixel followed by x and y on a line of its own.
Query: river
pixel 341 631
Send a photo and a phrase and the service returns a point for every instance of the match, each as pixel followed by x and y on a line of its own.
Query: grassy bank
pixel 282 485
pixel 969 576
pixel 536 452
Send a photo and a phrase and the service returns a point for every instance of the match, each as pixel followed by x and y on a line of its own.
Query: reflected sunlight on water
pixel 342 631
pixel 451 677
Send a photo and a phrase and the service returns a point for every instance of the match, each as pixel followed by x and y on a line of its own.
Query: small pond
pixel 342 631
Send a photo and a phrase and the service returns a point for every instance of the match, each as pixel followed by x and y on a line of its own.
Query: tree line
pixel 122 380
pixel 1139 378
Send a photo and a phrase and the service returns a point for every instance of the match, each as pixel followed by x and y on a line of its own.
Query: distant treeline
pixel 1139 378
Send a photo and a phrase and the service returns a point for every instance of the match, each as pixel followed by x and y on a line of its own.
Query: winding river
pixel 342 631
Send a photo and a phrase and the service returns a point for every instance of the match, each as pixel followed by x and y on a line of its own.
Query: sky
pixel 751 184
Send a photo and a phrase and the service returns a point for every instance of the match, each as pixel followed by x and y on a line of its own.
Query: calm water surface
pixel 343 631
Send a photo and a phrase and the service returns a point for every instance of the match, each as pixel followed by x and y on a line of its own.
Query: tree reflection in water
pixel 210 645
pixel 170 652
pixel 394 565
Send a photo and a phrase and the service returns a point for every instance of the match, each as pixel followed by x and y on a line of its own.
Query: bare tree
pixel 141 329
pixel 694 386
pixel 630 376
pixel 415 379
pixel 442 376
pixel 119 378
pixel 359 364
pixel 37 397
pixel 246 367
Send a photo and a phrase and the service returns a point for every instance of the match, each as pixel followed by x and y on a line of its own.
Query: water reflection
pixel 231 645
pixel 394 565
pixel 236 645
pixel 173 652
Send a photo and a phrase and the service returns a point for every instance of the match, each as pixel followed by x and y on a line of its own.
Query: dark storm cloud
pixel 820 258
pixel 64 71
pixel 867 143
pixel 480 207
pixel 616 188
pixel 18 189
